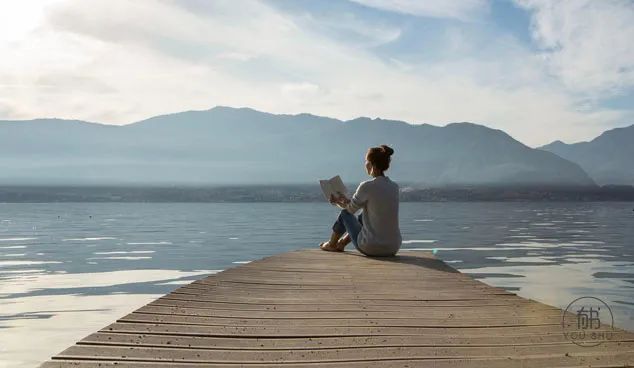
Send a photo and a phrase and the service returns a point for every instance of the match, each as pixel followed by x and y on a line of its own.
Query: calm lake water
pixel 69 269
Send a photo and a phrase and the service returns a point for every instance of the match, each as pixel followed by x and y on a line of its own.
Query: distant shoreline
pixel 303 193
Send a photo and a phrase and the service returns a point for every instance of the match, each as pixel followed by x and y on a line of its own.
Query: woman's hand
pixel 340 200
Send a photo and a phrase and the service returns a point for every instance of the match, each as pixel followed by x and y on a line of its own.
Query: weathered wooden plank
pixel 334 354
pixel 449 321
pixel 301 331
pixel 358 313
pixel 429 304
pixel 129 339
pixel 388 300
pixel 555 360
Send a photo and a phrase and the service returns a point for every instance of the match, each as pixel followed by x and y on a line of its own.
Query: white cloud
pixel 118 62
pixel 586 43
pixel 301 91
pixel 460 9
pixel 237 56
pixel 21 18
pixel 349 27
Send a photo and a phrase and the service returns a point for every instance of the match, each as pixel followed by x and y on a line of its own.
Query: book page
pixel 326 189
pixel 333 186
pixel 338 187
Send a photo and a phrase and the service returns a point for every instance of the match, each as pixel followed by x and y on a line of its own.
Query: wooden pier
pixel 316 308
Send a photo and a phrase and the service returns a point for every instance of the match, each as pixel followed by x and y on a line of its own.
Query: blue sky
pixel 540 70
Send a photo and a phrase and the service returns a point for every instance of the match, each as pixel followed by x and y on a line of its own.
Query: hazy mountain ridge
pixel 608 158
pixel 228 146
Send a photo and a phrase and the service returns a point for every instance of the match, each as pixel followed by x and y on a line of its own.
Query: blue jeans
pixel 347 223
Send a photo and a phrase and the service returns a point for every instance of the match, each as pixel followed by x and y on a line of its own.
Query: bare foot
pixel 341 244
pixel 328 247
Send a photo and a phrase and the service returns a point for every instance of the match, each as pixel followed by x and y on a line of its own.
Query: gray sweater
pixel 380 234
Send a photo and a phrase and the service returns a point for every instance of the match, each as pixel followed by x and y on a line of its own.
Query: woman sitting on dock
pixel 376 231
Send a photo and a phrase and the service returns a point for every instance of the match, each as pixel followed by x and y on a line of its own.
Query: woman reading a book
pixel 375 232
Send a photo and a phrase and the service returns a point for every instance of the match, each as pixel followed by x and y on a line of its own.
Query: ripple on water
pixel 90 238
pixel 469 248
pixel 26 263
pixel 417 241
pixel 123 258
pixel 523 259
pixel 126 252
pixel 16 239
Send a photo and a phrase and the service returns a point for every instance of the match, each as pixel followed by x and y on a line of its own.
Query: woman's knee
pixel 338 227
pixel 344 213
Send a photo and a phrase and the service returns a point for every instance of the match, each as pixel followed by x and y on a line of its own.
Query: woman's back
pixel 380 234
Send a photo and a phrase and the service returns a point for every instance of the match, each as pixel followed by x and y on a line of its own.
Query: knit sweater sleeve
pixel 359 199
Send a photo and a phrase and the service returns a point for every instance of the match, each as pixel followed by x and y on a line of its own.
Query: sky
pixel 539 70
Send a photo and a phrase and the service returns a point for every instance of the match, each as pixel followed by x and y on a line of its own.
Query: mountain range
pixel 226 145
pixel 608 159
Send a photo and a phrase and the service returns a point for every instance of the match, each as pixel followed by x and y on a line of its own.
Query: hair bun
pixel 387 150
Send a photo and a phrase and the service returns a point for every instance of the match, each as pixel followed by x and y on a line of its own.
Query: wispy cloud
pixel 460 9
pixel 587 44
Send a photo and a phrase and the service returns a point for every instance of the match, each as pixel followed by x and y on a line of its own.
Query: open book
pixel 333 186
